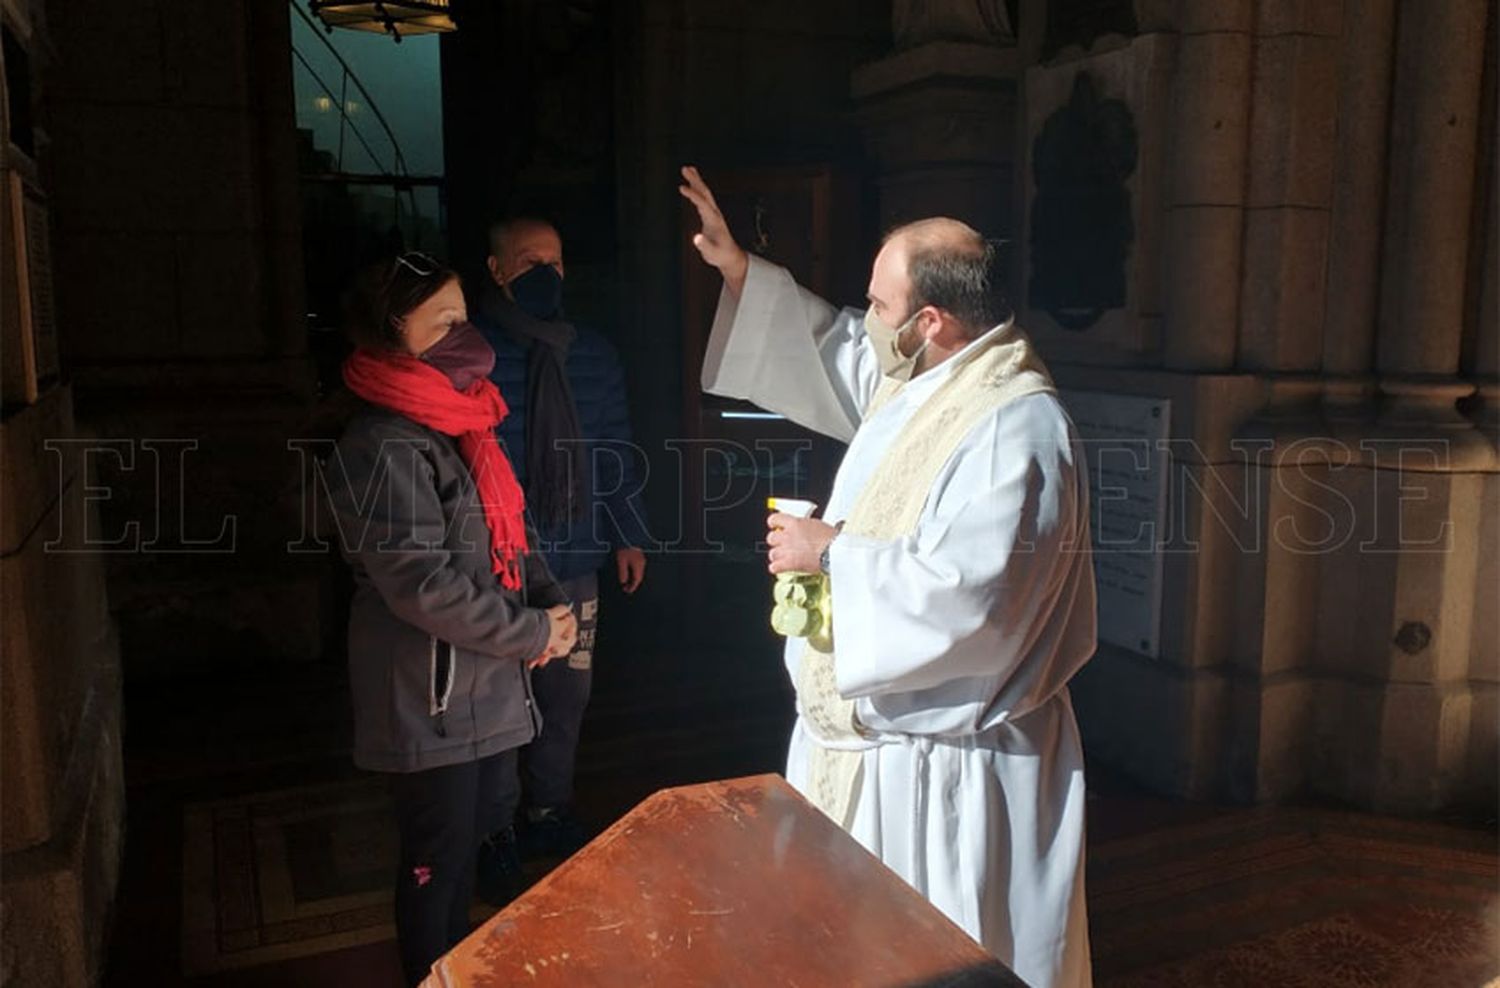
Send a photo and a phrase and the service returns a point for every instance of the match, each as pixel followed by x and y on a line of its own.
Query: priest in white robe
pixel 936 725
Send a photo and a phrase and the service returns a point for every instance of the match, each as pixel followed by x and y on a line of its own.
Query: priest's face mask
pixel 895 363
pixel 894 330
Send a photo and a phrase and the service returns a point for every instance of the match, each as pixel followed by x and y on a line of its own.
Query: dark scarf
pixel 554 492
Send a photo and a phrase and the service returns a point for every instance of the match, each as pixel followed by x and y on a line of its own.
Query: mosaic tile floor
pixel 1295 898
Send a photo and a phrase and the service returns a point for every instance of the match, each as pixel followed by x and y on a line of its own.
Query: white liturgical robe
pixel 955 643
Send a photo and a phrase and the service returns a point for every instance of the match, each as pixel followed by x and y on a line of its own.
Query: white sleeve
pixel 988 608
pixel 788 351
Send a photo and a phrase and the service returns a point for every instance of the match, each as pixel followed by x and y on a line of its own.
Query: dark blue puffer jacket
pixel 598 381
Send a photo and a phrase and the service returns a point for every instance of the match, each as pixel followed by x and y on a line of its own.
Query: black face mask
pixel 538 292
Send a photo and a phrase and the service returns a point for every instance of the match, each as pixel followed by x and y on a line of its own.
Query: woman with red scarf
pixel 451 607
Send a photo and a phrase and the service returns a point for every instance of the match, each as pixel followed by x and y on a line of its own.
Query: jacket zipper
pixel 437 707
pixel 531 711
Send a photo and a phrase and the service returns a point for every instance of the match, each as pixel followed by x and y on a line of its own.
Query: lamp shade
pixel 386 17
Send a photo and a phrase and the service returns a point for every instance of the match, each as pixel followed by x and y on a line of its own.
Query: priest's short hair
pixel 953 267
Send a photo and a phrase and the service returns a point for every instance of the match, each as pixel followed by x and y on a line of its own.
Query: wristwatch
pixel 823 563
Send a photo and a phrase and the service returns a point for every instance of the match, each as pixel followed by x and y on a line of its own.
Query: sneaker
pixel 552 832
pixel 499 878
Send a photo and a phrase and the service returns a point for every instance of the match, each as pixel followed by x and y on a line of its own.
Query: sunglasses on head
pixel 418 263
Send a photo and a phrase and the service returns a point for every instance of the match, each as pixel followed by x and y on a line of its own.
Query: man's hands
pixel 797 543
pixel 631 564
pixel 714 242
pixel 564 634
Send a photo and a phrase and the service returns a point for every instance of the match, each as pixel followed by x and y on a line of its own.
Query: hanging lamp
pixel 397 19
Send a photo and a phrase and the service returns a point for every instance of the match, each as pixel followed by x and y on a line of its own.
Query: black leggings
pixel 442 815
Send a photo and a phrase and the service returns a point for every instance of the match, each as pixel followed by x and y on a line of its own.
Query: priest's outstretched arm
pixel 775 343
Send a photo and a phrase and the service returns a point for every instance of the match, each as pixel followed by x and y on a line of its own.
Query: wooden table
pixel 741 882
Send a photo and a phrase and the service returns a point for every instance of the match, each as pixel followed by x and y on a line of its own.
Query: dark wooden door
pixel 808 220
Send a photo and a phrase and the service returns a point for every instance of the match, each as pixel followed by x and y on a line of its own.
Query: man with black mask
pixel 566 391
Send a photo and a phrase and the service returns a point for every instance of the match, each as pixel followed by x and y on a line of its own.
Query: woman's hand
pixel 562 638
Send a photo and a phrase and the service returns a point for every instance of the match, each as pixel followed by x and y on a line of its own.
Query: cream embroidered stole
pixel 997 371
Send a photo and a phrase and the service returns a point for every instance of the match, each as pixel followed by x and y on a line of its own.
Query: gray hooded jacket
pixel 437 647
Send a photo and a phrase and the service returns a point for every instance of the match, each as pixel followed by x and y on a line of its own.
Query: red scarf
pixel 422 393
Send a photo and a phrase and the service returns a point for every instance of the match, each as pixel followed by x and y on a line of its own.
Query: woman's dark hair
pixel 385 293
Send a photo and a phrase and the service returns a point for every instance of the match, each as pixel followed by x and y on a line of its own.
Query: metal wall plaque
pixel 1125 443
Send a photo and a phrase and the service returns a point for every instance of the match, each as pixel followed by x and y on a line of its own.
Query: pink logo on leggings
pixel 422 873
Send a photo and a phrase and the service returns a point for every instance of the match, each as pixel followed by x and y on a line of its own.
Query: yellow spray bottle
pixel 801 600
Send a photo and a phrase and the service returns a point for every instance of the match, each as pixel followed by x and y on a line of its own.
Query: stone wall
pixel 62 786
pixel 1309 274
pixel 62 783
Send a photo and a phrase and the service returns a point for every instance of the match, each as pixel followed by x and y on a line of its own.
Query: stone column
pixel 1430 206
pixel 1483 667
pixel 1293 123
pixel 1398 702
pixel 1434 131
pixel 1486 358
pixel 1364 98
pixel 1206 185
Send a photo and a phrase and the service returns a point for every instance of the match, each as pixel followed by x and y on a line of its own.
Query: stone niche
pixel 1092 238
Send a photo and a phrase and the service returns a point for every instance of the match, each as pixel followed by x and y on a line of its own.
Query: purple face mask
pixel 463 354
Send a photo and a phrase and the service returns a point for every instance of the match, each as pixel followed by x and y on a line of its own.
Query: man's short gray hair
pixel 508 226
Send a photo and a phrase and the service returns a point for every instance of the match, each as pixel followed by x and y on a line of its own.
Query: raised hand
pixel 714 241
